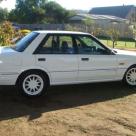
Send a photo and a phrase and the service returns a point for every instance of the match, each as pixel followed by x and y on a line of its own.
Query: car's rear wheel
pixel 33 84
pixel 130 76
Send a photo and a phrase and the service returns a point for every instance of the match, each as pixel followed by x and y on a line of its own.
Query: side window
pixel 66 45
pixel 87 45
pixel 57 44
pixel 46 46
pixel 24 42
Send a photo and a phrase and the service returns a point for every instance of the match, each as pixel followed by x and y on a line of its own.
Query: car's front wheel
pixel 130 76
pixel 32 84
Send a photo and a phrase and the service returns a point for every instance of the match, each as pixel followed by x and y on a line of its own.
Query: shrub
pixel 7 33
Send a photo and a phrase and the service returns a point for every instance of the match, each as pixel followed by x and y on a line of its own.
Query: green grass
pixel 120 44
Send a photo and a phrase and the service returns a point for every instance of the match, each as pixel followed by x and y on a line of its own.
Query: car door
pixel 57 56
pixel 96 62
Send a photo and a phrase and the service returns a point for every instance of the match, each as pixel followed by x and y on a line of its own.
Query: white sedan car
pixel 44 58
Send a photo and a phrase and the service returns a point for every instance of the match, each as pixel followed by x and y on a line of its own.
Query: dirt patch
pixel 105 109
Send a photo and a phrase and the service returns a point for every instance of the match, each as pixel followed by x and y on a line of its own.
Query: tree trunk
pixel 125 44
pixel 113 44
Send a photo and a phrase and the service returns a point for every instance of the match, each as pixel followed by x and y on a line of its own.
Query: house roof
pixel 81 17
pixel 119 11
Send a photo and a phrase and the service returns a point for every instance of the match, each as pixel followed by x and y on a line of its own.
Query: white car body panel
pixel 98 68
pixel 10 64
pixel 64 69
pixel 125 59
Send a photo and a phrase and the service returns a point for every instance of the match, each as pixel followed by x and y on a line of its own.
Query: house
pixel 103 22
pixel 124 11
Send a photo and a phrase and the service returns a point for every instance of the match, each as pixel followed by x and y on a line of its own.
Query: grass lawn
pixel 120 44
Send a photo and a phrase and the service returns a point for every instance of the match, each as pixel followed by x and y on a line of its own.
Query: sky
pixel 78 4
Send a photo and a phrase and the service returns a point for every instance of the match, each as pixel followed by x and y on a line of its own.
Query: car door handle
pixel 85 59
pixel 41 59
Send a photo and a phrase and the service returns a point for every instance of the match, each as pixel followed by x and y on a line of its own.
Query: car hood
pixel 124 52
pixel 6 50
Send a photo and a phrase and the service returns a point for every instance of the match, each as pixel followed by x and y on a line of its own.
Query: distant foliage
pixel 72 28
pixel 55 13
pixel 39 11
pixel 7 33
pixel 28 11
pixel 3 14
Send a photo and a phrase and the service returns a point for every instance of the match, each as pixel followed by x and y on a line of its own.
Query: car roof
pixel 60 32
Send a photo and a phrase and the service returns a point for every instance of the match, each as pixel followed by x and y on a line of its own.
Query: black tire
pixel 128 78
pixel 23 77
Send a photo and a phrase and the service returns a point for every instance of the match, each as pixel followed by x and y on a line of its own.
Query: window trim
pixel 109 51
pixel 73 36
pixel 45 40
pixel 25 47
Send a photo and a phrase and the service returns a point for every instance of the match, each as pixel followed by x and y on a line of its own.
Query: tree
pixel 133 29
pixel 126 35
pixel 114 34
pixel 3 14
pixel 28 11
pixel 96 30
pixel 55 13
pixel 39 11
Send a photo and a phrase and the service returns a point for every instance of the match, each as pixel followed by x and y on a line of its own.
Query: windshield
pixel 22 44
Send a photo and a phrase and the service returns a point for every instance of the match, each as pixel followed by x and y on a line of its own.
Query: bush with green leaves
pixel 7 33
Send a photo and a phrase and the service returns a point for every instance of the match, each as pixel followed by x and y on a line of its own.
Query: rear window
pixel 22 44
